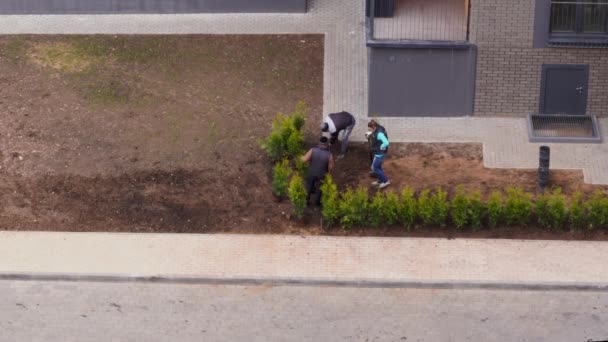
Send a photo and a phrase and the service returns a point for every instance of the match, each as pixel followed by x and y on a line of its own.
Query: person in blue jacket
pixel 379 147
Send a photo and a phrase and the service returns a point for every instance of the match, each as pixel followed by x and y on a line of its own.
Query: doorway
pixel 564 89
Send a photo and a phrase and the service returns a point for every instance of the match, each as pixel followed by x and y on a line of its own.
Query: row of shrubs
pixel 284 146
pixel 433 208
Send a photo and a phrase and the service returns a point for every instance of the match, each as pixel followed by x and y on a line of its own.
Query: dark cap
pixel 324 127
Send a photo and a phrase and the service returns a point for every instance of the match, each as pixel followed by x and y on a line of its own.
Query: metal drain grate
pixel 563 128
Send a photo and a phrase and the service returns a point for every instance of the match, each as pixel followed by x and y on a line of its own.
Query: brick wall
pixel 508 67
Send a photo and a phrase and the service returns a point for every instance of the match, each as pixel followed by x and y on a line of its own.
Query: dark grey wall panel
pixel 150 6
pixel 542 14
pixel 421 82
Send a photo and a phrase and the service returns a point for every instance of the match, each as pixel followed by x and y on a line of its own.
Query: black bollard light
pixel 544 156
pixel 543 166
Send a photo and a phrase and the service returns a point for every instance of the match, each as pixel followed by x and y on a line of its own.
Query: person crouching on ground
pixel 379 147
pixel 320 162
pixel 336 122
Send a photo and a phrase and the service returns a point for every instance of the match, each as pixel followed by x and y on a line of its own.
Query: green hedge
pixel 433 208
pixel 285 147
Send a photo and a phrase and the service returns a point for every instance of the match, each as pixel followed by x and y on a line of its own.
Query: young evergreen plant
pixel 376 214
pixel 286 137
pixel 425 207
pixel 391 208
pixel 433 208
pixel 280 178
pixel 297 195
pixel 518 207
pixel 353 207
pixel 330 200
pixel 596 208
pixel 300 166
pixel 477 211
pixel 542 210
pixel 295 143
pixel 299 116
pixel 558 211
pixel 441 207
pixel 407 208
pixel 576 212
pixel 495 209
pixel 459 208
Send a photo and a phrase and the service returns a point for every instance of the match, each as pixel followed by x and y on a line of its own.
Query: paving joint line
pixel 309 282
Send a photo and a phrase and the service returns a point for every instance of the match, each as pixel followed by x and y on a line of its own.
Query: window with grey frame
pixel 578 20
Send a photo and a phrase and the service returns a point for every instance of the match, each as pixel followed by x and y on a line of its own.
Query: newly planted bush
pixel 597 210
pixel 295 143
pixel 557 209
pixel 353 207
pixel 407 208
pixel 425 207
pixel 495 209
pixel 551 209
pixel 299 115
pixel 477 210
pixel 301 167
pixel 518 207
pixel 542 210
pixel 330 200
pixel 297 195
pixel 376 215
pixel 467 209
pixel 441 207
pixel 433 208
pixel 274 147
pixel 280 178
pixel 459 209
pixel 576 212
pixel 286 137
pixel 391 208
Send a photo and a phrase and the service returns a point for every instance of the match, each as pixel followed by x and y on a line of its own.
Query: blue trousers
pixel 377 167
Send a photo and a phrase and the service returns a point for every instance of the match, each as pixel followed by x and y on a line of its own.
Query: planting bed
pixel 160 134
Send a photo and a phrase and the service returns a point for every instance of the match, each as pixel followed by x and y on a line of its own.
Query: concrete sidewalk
pixel 269 258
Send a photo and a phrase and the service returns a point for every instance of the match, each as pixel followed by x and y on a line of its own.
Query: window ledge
pixel 578 41
pixel 420 44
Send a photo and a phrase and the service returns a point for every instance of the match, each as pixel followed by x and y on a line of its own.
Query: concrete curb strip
pixel 355 283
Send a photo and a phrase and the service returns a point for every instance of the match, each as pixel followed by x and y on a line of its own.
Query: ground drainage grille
pixel 563 128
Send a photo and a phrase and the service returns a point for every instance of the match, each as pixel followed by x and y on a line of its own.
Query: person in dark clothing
pixel 320 162
pixel 379 147
pixel 336 122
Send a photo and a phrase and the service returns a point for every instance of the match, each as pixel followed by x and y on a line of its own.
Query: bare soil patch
pixel 160 134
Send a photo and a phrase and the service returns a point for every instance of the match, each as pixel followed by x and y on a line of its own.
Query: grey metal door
pixel 564 89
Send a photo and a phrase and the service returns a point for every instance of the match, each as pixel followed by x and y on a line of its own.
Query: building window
pixel 578 20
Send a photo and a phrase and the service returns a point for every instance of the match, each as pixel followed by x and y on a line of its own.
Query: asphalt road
pixel 86 311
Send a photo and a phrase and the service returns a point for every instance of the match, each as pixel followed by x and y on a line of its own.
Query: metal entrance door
pixel 564 89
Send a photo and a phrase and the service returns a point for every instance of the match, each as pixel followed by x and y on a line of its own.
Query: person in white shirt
pixel 336 122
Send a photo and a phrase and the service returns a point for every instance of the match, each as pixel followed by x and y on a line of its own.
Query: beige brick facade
pixel 508 76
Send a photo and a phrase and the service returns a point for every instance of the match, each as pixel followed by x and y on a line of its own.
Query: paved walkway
pixel 310 258
pixel 505 142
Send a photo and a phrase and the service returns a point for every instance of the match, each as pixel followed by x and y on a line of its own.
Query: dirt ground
pixel 160 134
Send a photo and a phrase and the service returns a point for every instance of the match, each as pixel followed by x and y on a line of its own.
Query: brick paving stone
pixel 305 258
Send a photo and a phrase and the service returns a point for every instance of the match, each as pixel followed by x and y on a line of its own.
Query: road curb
pixel 353 283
